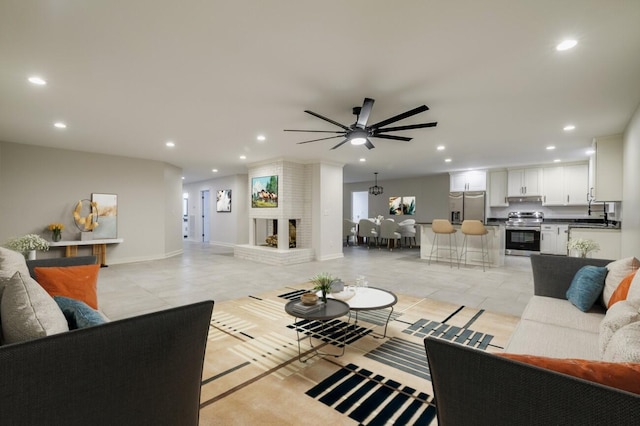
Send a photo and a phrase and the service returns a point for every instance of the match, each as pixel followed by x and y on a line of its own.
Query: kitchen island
pixel 495 241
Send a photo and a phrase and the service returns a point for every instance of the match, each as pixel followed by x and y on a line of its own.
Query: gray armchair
pixel 474 387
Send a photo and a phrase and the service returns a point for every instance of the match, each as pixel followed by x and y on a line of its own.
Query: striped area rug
pixel 253 374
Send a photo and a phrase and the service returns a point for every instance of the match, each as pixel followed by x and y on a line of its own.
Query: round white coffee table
pixel 368 299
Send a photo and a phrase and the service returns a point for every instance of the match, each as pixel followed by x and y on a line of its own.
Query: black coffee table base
pixel 333 309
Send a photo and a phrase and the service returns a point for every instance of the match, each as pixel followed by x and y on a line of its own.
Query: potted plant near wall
pixel 28 244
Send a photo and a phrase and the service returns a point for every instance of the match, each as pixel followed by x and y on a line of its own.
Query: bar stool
pixel 474 228
pixel 444 227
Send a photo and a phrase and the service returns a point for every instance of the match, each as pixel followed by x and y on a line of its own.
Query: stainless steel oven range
pixel 523 233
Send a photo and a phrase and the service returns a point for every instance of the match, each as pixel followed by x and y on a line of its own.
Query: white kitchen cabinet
pixel 552 187
pixel 565 185
pixel 609 241
pixel 473 180
pixel 498 189
pixel 607 169
pixel 524 182
pixel 553 239
pixel 576 184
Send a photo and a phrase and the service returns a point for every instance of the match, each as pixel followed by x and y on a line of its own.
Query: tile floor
pixel 206 271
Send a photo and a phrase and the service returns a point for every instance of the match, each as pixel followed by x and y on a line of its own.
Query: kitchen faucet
pixel 604 211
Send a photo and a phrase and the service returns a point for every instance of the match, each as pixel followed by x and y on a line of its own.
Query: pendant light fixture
pixel 375 189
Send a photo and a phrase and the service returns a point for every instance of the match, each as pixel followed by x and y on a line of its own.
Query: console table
pixel 99 247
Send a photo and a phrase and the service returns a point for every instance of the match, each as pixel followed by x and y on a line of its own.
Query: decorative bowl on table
pixel 345 294
pixel 309 298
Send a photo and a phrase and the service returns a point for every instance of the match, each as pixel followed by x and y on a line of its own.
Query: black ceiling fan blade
pixel 365 111
pixel 408 127
pixel 321 139
pixel 402 116
pixel 395 138
pixel 368 144
pixel 340 144
pixel 335 123
pixel 315 131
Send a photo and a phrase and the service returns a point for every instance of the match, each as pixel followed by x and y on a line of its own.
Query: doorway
pixel 359 205
pixel 185 215
pixel 206 215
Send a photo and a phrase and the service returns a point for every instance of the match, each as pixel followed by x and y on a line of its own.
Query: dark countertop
pixel 573 223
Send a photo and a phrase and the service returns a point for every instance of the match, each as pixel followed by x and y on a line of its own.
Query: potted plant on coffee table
pixel 322 282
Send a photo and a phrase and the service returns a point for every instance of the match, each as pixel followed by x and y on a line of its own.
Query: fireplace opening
pixel 266 232
pixel 272 240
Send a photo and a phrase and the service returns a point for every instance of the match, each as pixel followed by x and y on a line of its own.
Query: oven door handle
pixel 522 228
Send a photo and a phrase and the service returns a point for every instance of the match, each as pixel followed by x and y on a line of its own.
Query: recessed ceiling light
pixel 440 148
pixel 590 152
pixel 447 160
pixel 243 157
pixel 214 170
pixel 566 44
pixel 557 160
pixel 362 160
pixel 568 127
pixel 170 144
pixel 37 80
pixel 551 148
pixel 261 138
pixel 182 177
pixel 60 125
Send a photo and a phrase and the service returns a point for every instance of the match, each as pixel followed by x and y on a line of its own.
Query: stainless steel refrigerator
pixel 466 205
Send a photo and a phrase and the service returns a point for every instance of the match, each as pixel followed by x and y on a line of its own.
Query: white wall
pixel 39 186
pixel 327 210
pixel 226 228
pixel 630 188
pixel 173 210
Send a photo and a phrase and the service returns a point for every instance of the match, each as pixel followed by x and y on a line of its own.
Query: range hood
pixel 525 199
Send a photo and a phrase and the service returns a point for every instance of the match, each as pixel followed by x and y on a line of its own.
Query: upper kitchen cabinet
pixel 605 181
pixel 565 185
pixel 524 182
pixel 473 180
pixel 498 189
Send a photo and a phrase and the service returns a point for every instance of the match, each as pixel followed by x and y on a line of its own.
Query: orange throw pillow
pixel 620 375
pixel 76 282
pixel 620 293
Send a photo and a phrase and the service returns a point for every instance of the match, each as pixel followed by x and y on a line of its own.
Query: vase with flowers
pixel 56 231
pixel 28 244
pixel 583 246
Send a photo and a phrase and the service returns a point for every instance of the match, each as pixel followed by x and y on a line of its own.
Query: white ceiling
pixel 127 76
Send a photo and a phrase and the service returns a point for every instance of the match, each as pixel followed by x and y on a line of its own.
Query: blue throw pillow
pixel 586 286
pixel 78 313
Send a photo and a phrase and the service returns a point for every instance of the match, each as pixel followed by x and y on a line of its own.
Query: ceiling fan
pixel 359 133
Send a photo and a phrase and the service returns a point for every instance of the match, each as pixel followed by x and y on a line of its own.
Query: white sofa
pixel 550 325
pixel 554 370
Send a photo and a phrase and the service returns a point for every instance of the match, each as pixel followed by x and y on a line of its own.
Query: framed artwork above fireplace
pixel 264 192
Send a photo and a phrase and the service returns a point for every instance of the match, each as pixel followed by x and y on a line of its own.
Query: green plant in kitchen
pixel 583 245
pixel 322 282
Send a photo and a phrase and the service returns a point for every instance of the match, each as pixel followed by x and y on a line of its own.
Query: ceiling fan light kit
pixel 359 133
pixel 375 189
